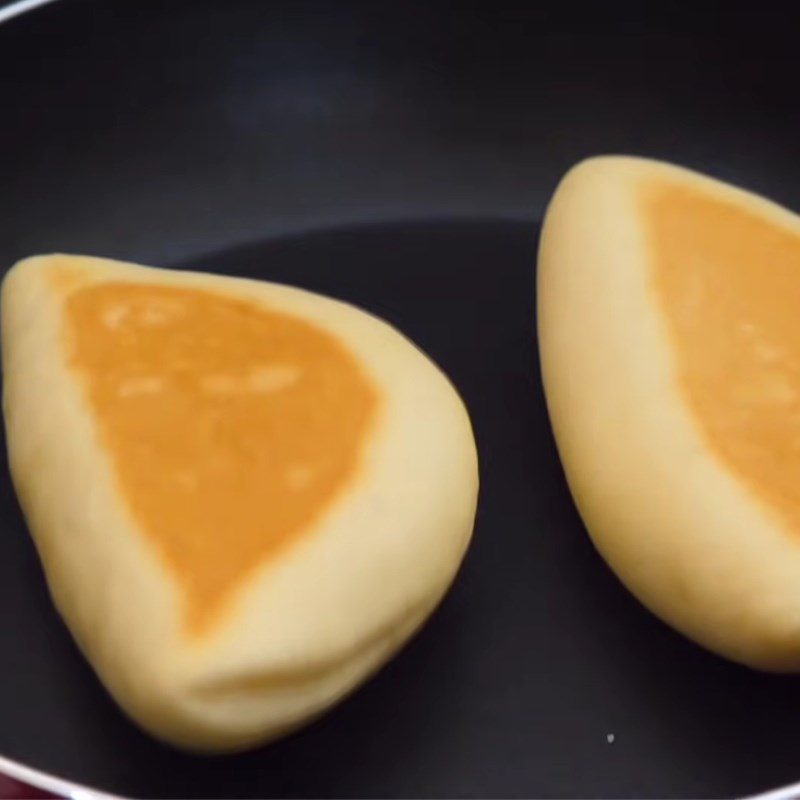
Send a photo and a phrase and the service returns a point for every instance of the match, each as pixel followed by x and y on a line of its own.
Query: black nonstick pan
pixel 400 156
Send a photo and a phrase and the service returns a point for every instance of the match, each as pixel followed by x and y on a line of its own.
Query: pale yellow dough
pixel 695 509
pixel 311 622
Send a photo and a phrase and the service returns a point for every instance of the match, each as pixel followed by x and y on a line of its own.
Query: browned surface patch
pixel 232 428
pixel 729 284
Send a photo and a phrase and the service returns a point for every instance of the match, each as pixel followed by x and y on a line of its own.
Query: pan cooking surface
pixel 398 160
pixel 536 656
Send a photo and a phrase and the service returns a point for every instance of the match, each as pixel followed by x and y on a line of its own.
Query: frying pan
pixel 400 156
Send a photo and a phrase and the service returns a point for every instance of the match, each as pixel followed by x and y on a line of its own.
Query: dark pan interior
pixel 400 156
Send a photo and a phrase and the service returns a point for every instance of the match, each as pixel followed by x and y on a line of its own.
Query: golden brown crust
pixel 217 416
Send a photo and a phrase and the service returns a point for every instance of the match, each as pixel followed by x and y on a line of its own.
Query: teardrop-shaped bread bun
pixel 246 497
pixel 670 346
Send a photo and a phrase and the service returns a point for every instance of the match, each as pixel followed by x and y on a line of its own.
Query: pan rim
pixel 19 7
